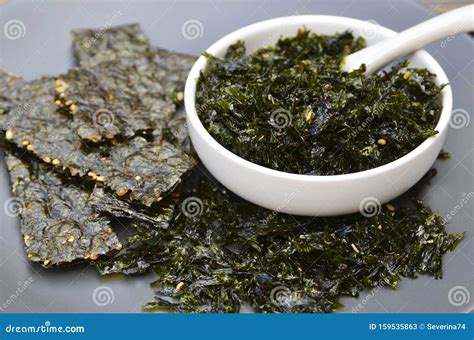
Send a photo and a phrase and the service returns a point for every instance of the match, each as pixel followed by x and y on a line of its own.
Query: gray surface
pixel 45 49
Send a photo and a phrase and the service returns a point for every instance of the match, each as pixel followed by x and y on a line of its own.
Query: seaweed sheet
pixel 10 85
pixel 58 222
pixel 129 44
pixel 126 43
pixel 141 169
pixel 145 230
pixel 111 99
pixel 173 69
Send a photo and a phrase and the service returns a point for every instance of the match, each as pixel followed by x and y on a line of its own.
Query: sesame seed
pixel 122 192
pixel 179 286
pixel 9 134
pixel 355 248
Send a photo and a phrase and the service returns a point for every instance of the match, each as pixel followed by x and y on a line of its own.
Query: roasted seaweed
pixel 229 252
pixel 289 107
pixel 212 251
pixel 126 43
pixel 10 85
pixel 173 69
pixel 124 86
pixel 144 170
pixel 58 222
pixel 145 229
pixel 111 99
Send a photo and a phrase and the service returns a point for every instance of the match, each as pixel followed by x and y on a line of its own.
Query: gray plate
pixel 43 46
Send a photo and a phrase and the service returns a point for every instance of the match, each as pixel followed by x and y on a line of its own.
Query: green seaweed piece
pixel 144 170
pixel 173 69
pixel 126 43
pixel 289 107
pixel 111 99
pixel 145 230
pixel 229 252
pixel 10 85
pixel 58 223
pixel 124 85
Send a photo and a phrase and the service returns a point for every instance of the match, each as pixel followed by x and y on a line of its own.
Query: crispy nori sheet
pixel 127 43
pixel 58 222
pixel 173 69
pixel 158 69
pixel 147 226
pixel 112 99
pixel 223 252
pixel 10 85
pixel 159 215
pixel 177 132
pixel 144 170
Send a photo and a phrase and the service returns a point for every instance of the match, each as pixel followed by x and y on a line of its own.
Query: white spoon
pixel 382 53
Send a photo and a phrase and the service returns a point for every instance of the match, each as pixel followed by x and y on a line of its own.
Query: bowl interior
pixel 268 32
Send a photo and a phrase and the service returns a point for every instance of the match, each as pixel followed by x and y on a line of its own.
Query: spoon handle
pixel 382 53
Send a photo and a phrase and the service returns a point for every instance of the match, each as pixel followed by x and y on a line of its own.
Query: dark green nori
pixel 126 43
pixel 147 226
pixel 111 99
pixel 289 107
pixel 58 222
pixel 124 81
pixel 444 155
pixel 177 133
pixel 10 85
pixel 105 202
pixel 145 170
pixel 173 69
pixel 234 253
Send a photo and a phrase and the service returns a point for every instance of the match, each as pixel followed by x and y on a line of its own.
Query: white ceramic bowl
pixel 304 194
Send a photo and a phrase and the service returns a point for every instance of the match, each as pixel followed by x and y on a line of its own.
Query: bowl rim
pixel 353 24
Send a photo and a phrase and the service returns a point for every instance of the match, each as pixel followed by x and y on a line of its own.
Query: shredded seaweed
pixel 289 107
pixel 224 252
